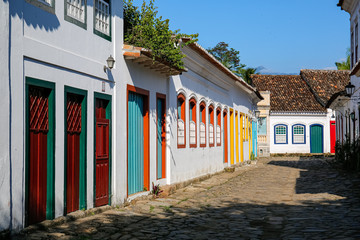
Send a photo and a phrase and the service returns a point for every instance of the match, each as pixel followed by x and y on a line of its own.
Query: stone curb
pixel 167 190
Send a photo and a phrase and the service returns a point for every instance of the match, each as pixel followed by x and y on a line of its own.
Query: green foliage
pixel 245 73
pixel 228 57
pixel 345 65
pixel 348 154
pixel 252 156
pixel 156 190
pixel 142 28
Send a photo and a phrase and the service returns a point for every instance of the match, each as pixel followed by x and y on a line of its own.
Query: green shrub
pixel 348 154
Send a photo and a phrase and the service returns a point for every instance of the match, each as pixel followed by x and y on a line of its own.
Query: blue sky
pixel 283 36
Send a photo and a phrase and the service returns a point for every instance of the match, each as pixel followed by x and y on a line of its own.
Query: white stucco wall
pixel 46 47
pixel 307 120
pixel 204 82
pixel 5 184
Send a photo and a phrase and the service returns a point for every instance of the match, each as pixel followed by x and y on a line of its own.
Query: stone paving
pixel 278 198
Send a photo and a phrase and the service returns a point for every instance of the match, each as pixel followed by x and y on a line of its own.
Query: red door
pixel 38 130
pixel 102 154
pixel 73 152
pixel 332 136
pixel 225 138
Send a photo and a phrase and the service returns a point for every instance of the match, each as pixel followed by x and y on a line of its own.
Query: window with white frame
pixel 76 9
pixel 47 5
pixel 298 134
pixel 280 134
pixel 102 16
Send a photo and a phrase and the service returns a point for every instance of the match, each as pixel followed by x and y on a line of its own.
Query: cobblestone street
pixel 277 198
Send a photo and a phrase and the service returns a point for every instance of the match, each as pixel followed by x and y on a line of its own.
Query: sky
pixel 279 36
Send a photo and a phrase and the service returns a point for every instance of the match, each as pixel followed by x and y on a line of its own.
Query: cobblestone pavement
pixel 276 199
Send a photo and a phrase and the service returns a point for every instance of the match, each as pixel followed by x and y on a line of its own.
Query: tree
pixel 245 73
pixel 344 65
pixel 143 28
pixel 228 57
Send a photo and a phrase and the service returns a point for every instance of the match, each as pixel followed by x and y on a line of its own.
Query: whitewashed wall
pixel 204 82
pixel 5 173
pixel 307 120
pixel 46 47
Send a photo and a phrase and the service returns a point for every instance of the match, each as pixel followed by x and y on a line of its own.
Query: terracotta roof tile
pixel 325 83
pixel 288 93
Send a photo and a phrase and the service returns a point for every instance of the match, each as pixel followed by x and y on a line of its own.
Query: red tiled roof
pixel 325 83
pixel 288 93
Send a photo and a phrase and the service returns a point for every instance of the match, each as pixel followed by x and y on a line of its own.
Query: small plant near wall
pixel 348 154
pixel 156 190
pixel 143 28
pixel 252 156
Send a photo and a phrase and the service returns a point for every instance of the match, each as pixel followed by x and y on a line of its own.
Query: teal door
pixel 316 138
pixel 135 143
pixel 254 134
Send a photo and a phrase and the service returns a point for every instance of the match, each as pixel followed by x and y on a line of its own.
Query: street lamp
pixel 110 63
pixel 349 89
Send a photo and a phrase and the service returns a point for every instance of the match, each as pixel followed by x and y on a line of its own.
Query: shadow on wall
pixel 317 178
pixel 40 18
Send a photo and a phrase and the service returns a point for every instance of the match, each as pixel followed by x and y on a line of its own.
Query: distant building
pixel 293 116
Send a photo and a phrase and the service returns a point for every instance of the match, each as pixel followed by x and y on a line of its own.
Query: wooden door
pixel 102 153
pixel 225 138
pixel 332 136
pixel 316 138
pixel 161 134
pixel 73 129
pixel 135 143
pixel 38 147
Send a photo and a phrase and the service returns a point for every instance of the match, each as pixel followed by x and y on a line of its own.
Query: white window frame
pixel 102 18
pixel 46 5
pixel 75 12
pixel 278 136
pixel 297 136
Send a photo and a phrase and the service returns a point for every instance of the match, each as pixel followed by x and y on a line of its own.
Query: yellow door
pixel 242 137
pixel 231 136
pixel 237 135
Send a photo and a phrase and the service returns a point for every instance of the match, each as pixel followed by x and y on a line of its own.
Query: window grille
pixel 76 9
pixel 280 134
pixel 102 16
pixel 299 134
pixel 192 132
pixel 218 135
pixel 202 133
pixel 211 134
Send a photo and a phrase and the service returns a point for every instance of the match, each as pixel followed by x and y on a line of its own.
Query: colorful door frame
pixel 82 164
pixel 146 143
pixel 241 137
pixel 333 136
pixel 161 135
pixel 108 116
pixel 39 205
pixel 254 137
pixel 237 159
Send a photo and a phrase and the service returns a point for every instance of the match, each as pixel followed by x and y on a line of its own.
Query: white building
pixel 293 116
pixel 348 108
pixel 56 90
pixel 81 135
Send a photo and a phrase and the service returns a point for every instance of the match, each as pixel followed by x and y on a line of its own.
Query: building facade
pixel 293 115
pixel 348 107
pixel 82 132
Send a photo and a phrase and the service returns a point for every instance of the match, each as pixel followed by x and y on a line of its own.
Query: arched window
pixel 218 127
pixel 192 122
pixel 211 126
pixel 280 131
pixel 202 116
pixel 181 121
pixel 298 134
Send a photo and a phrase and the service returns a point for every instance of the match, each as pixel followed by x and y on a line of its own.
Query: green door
pixel 316 138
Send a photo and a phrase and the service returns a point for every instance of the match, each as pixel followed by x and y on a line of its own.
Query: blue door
pixel 135 143
pixel 254 135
